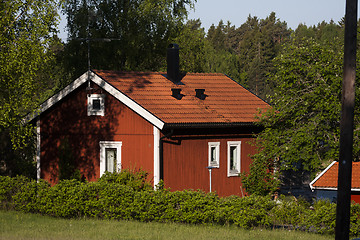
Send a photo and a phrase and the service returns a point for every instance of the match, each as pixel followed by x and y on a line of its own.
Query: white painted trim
pixel 110 144
pixel 327 188
pixel 107 87
pixel 238 157
pixel 156 156
pixel 38 149
pixel 217 150
pixel 127 101
pixel 90 110
pixel 318 176
pixel 60 95
pixel 324 188
pixel 334 189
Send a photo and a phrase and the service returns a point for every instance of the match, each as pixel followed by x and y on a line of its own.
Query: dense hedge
pixel 128 196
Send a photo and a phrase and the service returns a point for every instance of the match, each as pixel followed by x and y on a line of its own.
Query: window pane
pixel 233 155
pixel 213 155
pixel 110 155
pixel 96 104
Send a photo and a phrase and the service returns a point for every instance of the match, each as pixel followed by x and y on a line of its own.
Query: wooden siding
pixel 67 121
pixel 355 196
pixel 185 162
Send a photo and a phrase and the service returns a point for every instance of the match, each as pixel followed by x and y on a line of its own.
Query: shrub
pixel 129 196
pixel 355 220
pixel 321 218
pixel 252 211
pixel 134 179
pixel 288 212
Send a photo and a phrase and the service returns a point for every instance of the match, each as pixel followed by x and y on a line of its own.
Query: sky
pixel 293 12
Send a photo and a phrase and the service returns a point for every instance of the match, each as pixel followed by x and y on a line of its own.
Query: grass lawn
pixel 17 225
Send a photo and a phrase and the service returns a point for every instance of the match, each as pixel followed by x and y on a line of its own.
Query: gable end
pixel 107 87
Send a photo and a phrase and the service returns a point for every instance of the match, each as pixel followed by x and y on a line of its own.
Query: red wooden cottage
pixel 325 184
pixel 171 126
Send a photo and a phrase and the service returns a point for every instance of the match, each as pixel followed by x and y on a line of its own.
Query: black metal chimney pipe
pixel 173 63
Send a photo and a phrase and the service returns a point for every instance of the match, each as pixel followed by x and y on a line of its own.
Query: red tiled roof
pixel 226 101
pixel 328 179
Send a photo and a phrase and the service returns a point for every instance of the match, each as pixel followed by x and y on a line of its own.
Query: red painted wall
pixel 355 196
pixel 185 166
pixel 68 120
pixel 184 162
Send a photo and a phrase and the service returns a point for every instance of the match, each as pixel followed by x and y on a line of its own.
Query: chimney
pixel 176 93
pixel 200 94
pixel 173 65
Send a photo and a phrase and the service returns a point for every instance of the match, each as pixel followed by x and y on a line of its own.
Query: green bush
pixel 134 179
pixel 248 212
pixel 355 220
pixel 129 196
pixel 321 218
pixel 288 212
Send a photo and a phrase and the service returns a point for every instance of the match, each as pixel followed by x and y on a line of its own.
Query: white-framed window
pixel 110 156
pixel 96 104
pixel 214 154
pixel 233 158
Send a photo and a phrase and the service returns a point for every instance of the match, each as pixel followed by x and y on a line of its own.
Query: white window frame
pixel 95 112
pixel 236 172
pixel 215 145
pixel 109 144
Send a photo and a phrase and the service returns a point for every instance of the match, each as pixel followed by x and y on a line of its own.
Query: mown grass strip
pixel 18 225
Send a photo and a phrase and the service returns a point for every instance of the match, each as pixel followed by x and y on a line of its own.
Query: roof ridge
pixel 156 72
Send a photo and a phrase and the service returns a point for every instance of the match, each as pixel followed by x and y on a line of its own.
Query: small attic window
pixel 96 105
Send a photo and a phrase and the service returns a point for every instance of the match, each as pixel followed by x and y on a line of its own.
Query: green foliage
pixel 120 197
pixel 9 187
pixel 246 212
pixel 261 180
pixel 322 33
pixel 355 220
pixel 322 218
pixel 259 42
pixel 134 179
pixel 191 39
pixel 141 31
pixel 303 127
pixel 26 31
pixel 15 162
pixel 289 213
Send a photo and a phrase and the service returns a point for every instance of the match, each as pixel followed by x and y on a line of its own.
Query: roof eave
pixel 91 76
pixel 333 189
pixel 210 124
pixel 320 175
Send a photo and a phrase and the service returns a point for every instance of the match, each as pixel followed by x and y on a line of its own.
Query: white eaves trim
pixel 327 188
pixel 107 87
pixel 57 97
pixel 318 176
pixel 334 189
pixel 127 101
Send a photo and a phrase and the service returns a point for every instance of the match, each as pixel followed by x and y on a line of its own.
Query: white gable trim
pixel 319 176
pixel 107 87
pixel 327 188
pixel 127 101
pixel 57 97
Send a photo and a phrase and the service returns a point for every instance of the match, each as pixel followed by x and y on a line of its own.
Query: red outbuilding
pixel 325 184
pixel 171 125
